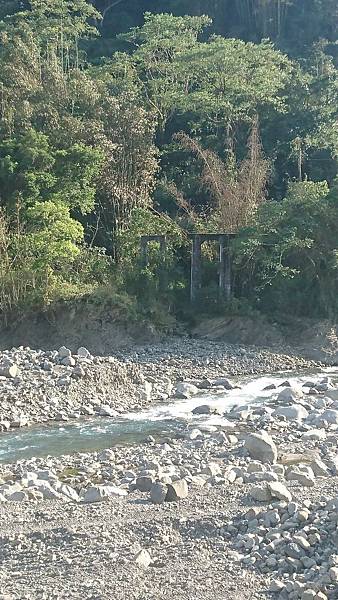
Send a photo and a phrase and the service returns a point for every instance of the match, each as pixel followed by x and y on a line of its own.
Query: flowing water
pixel 164 420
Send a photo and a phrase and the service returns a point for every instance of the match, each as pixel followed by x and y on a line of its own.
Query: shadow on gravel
pixel 142 501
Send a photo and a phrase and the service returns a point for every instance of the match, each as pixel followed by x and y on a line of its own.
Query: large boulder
pixel 99 493
pixel 332 394
pixel 63 352
pixel 278 490
pixel 314 435
pixel 17 496
pixel 330 415
pixel 261 446
pixel 224 382
pixel 319 468
pixel 261 493
pixel 205 409
pixel 83 352
pixel 177 490
pixel 47 491
pixel 186 390
pixel 295 412
pixel 68 492
pixel 144 483
pixel 303 474
pixel 158 492
pixel 290 394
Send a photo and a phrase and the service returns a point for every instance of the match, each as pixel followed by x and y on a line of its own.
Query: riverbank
pixel 220 511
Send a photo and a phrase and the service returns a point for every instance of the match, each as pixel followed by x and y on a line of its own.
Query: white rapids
pixel 166 419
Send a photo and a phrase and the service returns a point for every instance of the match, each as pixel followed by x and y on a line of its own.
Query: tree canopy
pixel 193 115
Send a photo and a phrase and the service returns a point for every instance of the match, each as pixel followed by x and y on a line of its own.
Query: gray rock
pixel 330 415
pixel 332 394
pixel 304 478
pixel 107 455
pixel 212 469
pixel 63 352
pixel 276 586
pixel 204 409
pixel 87 410
pixel 83 352
pixel 261 493
pixel 295 412
pixel 177 491
pixel 78 372
pixel 17 496
pixel 293 550
pixel 261 447
pixel 290 394
pixel 314 434
pixel 196 481
pixel 68 361
pixel 260 477
pixel 224 382
pixel 205 384
pixel 100 492
pixel 44 475
pixel 186 390
pixel 319 468
pixel 256 467
pixel 20 422
pixel 279 490
pixel 9 371
pixel 48 492
pixel 68 492
pixel 107 411
pixel 144 483
pixel 308 594
pixel 158 492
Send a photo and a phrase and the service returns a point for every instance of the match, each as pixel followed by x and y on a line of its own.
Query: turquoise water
pixel 82 436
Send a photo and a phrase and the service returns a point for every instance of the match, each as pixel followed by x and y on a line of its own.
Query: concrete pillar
pixel 195 281
pixel 224 268
pixel 162 271
pixel 163 245
pixel 163 274
pixel 144 251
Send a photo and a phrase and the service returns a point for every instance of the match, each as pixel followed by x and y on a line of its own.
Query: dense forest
pixel 127 117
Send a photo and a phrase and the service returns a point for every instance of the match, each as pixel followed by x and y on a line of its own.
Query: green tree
pixel 287 261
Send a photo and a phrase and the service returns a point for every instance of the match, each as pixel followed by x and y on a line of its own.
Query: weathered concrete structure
pixel 224 263
pixel 145 239
pixel 198 239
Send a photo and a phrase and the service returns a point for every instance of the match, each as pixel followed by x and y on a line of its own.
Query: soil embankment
pixel 106 330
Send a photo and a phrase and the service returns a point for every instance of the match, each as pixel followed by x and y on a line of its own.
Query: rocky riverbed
pixel 246 508
pixel 38 386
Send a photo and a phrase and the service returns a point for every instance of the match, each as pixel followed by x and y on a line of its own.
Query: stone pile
pixel 38 386
pixel 296 542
